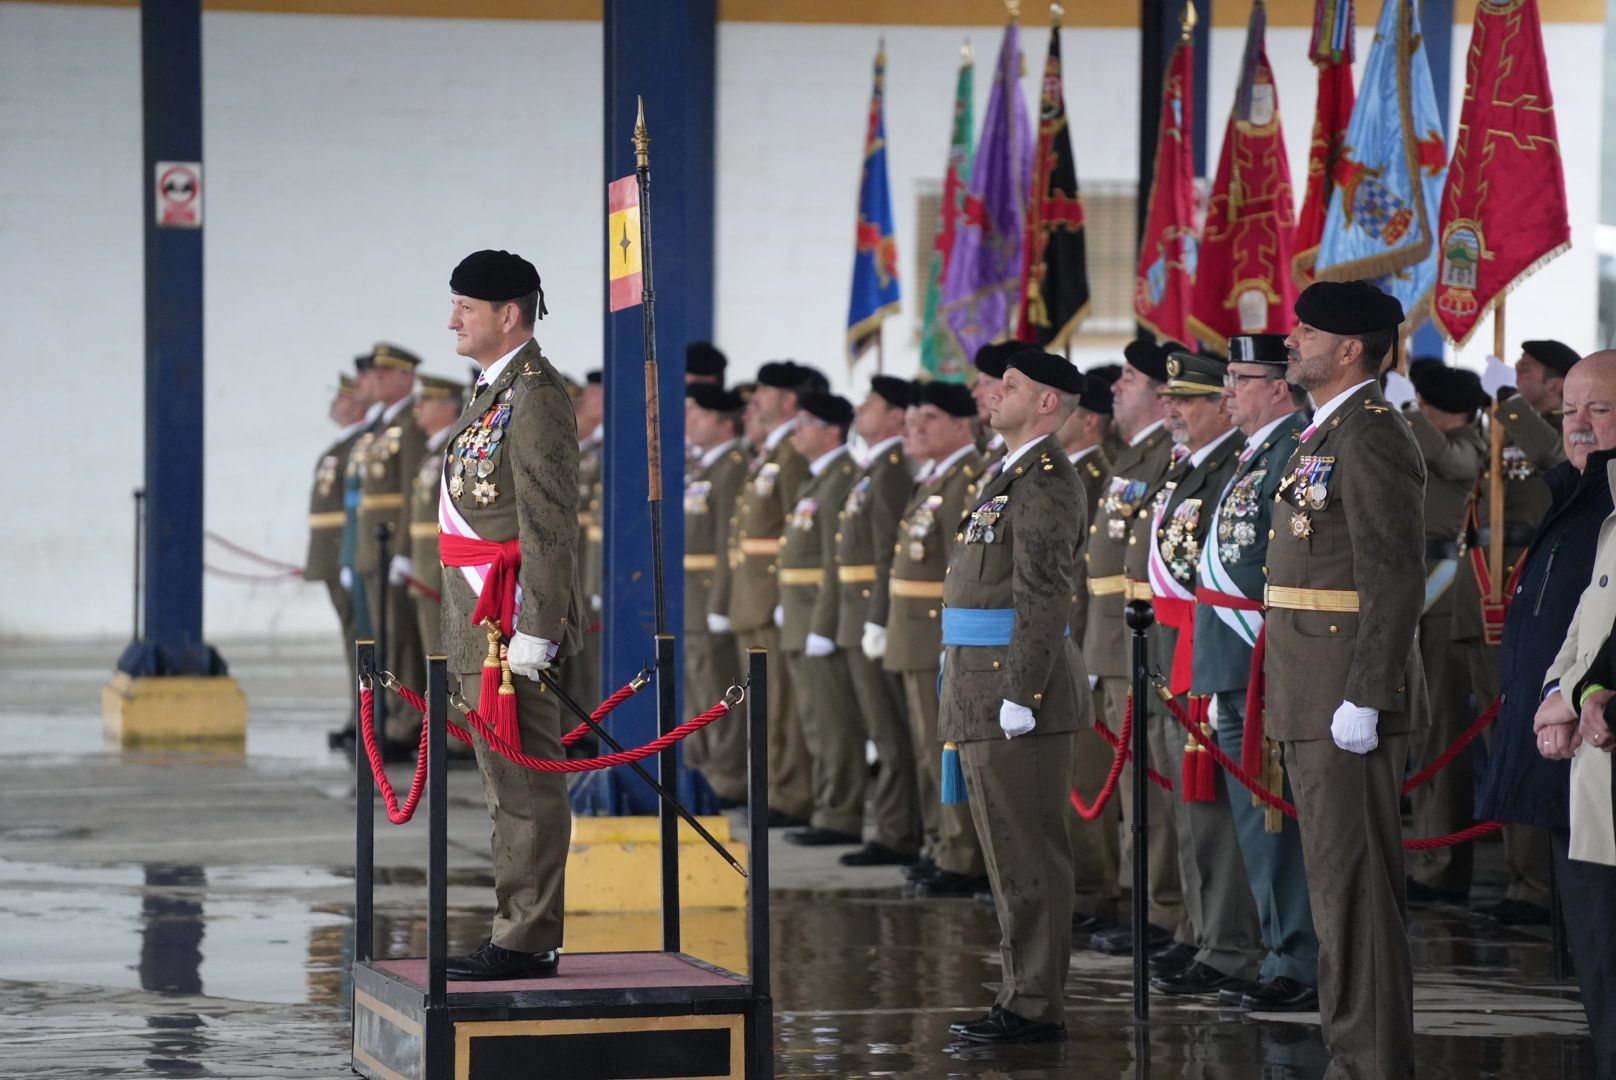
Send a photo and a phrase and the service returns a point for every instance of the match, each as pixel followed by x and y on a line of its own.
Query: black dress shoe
pixel 1172 959
pixel 874 854
pixel 1280 994
pixel 1091 924
pixel 1004 1026
pixel 779 819
pixel 491 962
pixel 960 1025
pixel 1421 893
pixel 396 753
pixel 921 869
pixel 341 739
pixel 1232 997
pixel 814 836
pixel 1198 979
pixel 1119 942
pixel 1516 913
pixel 946 883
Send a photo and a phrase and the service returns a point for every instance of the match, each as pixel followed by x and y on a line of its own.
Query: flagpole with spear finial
pixel 1495 508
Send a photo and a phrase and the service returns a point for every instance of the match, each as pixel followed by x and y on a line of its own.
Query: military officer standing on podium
pixel 1346 573
pixel 943 437
pixel 1228 620
pixel 866 530
pixel 323 562
pixel 389 459
pixel 511 474
pixel 1015 690
pixel 717 470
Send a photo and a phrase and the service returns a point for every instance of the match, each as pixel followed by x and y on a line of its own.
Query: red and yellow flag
pixel 623 273
pixel 1162 283
pixel 1331 52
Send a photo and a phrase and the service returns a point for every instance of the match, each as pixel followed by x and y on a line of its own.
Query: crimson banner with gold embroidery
pixel 1243 282
pixel 1331 52
pixel 1504 205
pixel 1162 284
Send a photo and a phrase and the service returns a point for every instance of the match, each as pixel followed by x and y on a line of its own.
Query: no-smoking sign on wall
pixel 179 194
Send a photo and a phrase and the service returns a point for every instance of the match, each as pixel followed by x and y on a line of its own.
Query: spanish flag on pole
pixel 623 243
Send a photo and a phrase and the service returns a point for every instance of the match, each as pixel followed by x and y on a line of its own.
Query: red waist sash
pixel 498 598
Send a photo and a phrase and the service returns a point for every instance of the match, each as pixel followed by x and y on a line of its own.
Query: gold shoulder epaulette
pixel 968 471
pixel 893 458
pixel 1094 470
pixel 1371 405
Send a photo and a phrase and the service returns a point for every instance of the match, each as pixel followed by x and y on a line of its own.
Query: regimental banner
pixel 876 293
pixel 1167 255
pixel 1381 225
pixel 1331 52
pixel 1243 282
pixel 1055 274
pixel 1504 206
pixel 939 353
pixel 984 272
pixel 623 273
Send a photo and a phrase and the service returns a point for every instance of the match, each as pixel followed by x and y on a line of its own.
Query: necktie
pixel 1307 432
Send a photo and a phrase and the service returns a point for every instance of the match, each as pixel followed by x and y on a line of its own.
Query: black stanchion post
pixel 758 956
pixel 437 801
pixel 1560 954
pixel 364 812
pixel 140 536
pixel 1140 615
pixel 384 534
pixel 668 775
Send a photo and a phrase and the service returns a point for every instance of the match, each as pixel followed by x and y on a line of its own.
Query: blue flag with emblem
pixel 1381 225
pixel 875 250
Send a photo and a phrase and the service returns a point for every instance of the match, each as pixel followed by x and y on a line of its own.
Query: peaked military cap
pixel 713 398
pixel 391 356
pixel 1048 369
pixel 1348 308
pixel 895 391
pixel 1551 354
pixel 704 358
pixel 1148 358
pixel 1194 375
pixel 592 378
pixel 1266 349
pixel 952 398
pixel 992 358
pixel 364 361
pixel 834 410
pixel 345 385
pixel 436 388
pixel 498 276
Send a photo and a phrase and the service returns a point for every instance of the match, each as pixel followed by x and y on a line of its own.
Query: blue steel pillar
pixel 663 51
pixel 171 83
pixel 1436 22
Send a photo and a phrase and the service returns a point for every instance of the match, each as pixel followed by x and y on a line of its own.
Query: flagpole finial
pixel 1056 14
pixel 1014 8
pixel 1189 19
pixel 966 56
pixel 642 138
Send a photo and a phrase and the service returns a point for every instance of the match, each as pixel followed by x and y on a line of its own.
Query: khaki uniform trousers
pixel 950 832
pixel 790 789
pixel 1018 795
pixel 1352 844
pixel 1446 802
pixel 895 802
pixel 429 625
pixel 717 751
pixel 835 736
pixel 1166 900
pixel 532 822
pixel 1095 844
pixel 342 603
pixel 404 657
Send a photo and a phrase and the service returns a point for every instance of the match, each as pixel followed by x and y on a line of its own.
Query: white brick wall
pixel 350 162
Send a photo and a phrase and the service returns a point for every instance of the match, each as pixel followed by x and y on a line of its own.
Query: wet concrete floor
pixel 171 914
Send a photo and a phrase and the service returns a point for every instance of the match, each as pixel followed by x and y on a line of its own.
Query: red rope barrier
pixel 1116 744
pixel 274 578
pixel 1488 715
pixel 367 729
pixel 628 690
pixel 248 553
pixel 1090 813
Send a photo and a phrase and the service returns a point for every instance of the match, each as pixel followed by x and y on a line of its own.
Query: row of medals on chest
pixel 473 455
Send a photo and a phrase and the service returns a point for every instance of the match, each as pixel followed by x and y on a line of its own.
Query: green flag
pixel 939 354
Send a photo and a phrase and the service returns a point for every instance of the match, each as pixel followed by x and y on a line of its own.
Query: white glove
pixel 345 575
pixel 594 601
pixel 529 655
pixel 874 643
pixel 779 616
pixel 1094 682
pixel 717 624
pixel 399 569
pixel 1496 376
pixel 1015 719
pixel 1399 391
pixel 1212 713
pixel 819 646
pixel 1353 728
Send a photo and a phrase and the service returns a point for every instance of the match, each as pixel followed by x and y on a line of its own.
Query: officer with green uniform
pixel 776 471
pixel 1228 622
pixel 440 404
pixel 1346 573
pixel 1014 689
pixel 323 562
pixel 511 475
pixel 717 471
pixel 866 529
pixel 943 438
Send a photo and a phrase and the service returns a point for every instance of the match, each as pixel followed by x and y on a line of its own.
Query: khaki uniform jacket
pixel 1137 474
pixel 591 515
pixel 808 555
pixel 920 556
pixel 326 514
pixel 1092 472
pixel 766 497
pixel 709 496
pixel 530 495
pixel 1019 548
pixel 389 457
pixel 1453 460
pixel 867 528
pixel 1345 534
pixel 428 570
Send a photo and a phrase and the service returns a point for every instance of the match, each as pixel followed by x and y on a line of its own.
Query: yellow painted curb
pixel 615 866
pixel 174 710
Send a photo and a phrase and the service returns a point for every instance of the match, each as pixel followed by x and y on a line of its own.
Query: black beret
pixel 1096 395
pixel 1551 354
pixel 1106 373
pixel 897 392
pixel 1266 349
pixel 780 374
pixel 1348 308
pixel 991 358
pixel 953 398
pixel 713 398
pixel 593 377
pixel 1454 390
pixel 829 408
pixel 811 378
pixel 1193 374
pixel 497 276
pixel 364 361
pixel 1048 369
pixel 704 358
pixel 1148 357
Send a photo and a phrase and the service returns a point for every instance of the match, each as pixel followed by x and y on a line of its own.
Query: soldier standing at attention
pixel 323 563
pixel 712 427
pixel 776 472
pixel 807 618
pixel 942 437
pixel 511 474
pixel 583 674
pixel 866 530
pixel 989 363
pixel 1346 571
pixel 1228 620
pixel 1015 690
pixel 346 738
pixel 440 405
